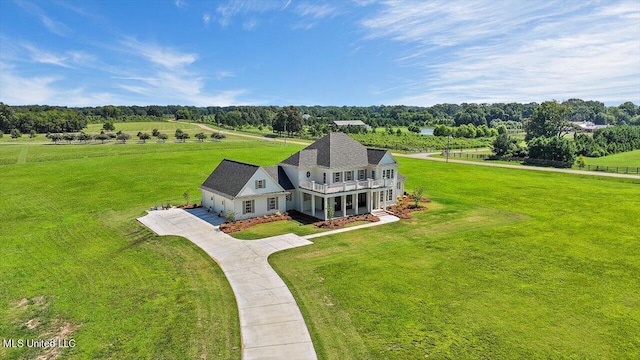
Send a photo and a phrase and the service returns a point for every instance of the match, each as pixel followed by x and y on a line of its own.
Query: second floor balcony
pixel 345 185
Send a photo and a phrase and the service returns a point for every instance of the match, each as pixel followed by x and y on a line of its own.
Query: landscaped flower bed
pixel 189 206
pixel 405 205
pixel 340 222
pixel 231 227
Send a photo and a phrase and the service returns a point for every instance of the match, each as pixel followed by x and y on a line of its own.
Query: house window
pixel 308 174
pixel 248 206
pixel 337 177
pixel 361 174
pixel 289 197
pixel 398 185
pixel 381 196
pixel 389 195
pixel 261 184
pixel 388 174
pixel 272 203
pixel 306 197
pixel 392 174
pixel 348 175
pixel 324 178
pixel 373 174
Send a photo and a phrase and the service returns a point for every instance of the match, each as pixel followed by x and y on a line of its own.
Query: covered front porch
pixel 343 204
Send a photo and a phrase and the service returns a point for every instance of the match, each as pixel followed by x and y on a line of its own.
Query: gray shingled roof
pixel 229 177
pixel 375 155
pixel 332 151
pixel 401 177
pixel 278 174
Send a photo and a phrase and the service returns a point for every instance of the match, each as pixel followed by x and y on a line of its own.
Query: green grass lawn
pixel 506 264
pixel 276 228
pixel 72 251
pixel 162 126
pixel 629 158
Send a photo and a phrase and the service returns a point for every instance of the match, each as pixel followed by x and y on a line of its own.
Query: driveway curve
pixel 271 325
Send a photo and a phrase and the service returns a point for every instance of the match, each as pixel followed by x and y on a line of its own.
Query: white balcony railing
pixel 345 186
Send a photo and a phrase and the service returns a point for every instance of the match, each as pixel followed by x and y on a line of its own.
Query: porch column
pixel 344 205
pixel 300 201
pixel 357 198
pixel 326 204
pixel 369 201
pixel 313 205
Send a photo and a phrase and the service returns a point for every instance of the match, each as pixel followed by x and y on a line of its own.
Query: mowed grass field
pixel 76 262
pixel 629 158
pixel 506 264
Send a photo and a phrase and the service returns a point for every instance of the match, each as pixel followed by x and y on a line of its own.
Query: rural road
pixel 425 156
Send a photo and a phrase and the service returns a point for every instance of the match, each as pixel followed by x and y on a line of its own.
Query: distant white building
pixel 587 126
pixel 341 123
pixel 335 171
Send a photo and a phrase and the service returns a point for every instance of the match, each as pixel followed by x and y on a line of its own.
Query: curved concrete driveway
pixel 271 324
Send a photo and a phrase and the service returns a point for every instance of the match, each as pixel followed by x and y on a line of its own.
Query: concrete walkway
pixel 271 324
pixel 384 219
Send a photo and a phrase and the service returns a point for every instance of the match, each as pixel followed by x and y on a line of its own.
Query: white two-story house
pixel 335 172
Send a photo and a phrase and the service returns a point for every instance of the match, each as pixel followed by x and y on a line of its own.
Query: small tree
pixel 581 162
pixel 218 136
pixel 162 137
pixel 417 195
pixel 69 137
pixel 201 136
pixel 330 214
pixel 54 137
pixel 102 137
pixel 32 134
pixel 155 132
pixel 123 137
pixel 144 137
pixel 183 137
pixel 83 137
pixel 179 133
pixel 108 126
pixel 15 133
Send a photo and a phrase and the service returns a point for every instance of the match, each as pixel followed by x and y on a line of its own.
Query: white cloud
pixel 180 3
pixel 51 24
pixel 487 51
pixel 227 11
pixel 164 56
pixel 206 18
pixel 250 24
pixel 224 74
pixel 316 11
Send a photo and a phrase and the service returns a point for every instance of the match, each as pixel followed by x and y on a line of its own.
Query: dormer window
pixel 348 175
pixel 361 174
pixel 337 177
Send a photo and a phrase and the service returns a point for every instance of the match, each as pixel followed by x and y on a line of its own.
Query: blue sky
pixel 361 52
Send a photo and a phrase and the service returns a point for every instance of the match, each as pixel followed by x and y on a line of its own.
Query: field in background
pixel 505 263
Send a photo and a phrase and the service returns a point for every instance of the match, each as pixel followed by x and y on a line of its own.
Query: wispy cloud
pixel 180 3
pixel 164 56
pixel 227 11
pixel 51 24
pixel 316 11
pixel 487 51
pixel 250 24
pixel 172 77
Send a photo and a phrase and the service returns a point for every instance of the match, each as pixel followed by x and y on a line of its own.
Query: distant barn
pixel 341 123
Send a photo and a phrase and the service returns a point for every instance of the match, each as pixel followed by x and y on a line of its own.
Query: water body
pixel 426 131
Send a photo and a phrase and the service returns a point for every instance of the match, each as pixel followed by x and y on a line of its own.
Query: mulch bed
pixel 405 206
pixel 189 206
pixel 240 225
pixel 340 222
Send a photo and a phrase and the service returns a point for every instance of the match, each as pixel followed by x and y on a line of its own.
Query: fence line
pixel 614 169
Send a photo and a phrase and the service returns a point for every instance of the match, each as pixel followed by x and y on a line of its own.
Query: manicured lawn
pixel 72 249
pixel 508 264
pixel 629 158
pixel 162 126
pixel 276 228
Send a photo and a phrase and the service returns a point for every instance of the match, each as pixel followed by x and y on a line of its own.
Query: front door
pixel 362 200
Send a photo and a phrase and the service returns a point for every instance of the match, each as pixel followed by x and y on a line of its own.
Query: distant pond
pixel 426 131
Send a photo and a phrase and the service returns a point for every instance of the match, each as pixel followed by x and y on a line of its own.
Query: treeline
pixel 608 141
pixel 511 115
